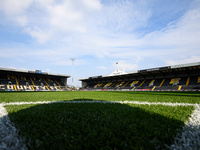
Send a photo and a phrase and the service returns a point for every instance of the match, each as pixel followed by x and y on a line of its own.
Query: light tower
pixel 73 60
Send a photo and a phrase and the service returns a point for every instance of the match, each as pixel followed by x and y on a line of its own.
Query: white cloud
pixel 57 17
pixel 14 7
pixel 122 16
pixel 15 10
pixel 65 61
pixel 180 36
pixel 88 5
pixel 89 27
pixel 183 60
pixel 65 18
pixel 21 20
pixel 182 33
pixel 102 67
pixel 39 34
pixel 126 65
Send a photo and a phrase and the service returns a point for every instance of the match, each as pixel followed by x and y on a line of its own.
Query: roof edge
pixel 33 72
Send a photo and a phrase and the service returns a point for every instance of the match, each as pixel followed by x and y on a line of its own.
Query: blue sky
pixel 138 34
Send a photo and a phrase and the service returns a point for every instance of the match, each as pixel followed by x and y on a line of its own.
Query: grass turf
pixel 98 126
pixel 181 97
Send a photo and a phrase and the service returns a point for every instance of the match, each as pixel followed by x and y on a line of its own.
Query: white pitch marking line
pixel 189 138
pixel 103 102
pixel 9 138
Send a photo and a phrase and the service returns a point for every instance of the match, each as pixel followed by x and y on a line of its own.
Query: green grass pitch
pixel 98 125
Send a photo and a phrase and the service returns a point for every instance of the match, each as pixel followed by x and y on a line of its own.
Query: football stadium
pixel 25 80
pixel 99 74
pixel 156 108
pixel 184 77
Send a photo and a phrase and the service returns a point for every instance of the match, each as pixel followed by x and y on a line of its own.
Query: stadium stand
pixel 24 80
pixel 184 77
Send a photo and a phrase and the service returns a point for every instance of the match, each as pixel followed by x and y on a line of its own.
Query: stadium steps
pixel 107 85
pixel 188 81
pixel 118 88
pixel 99 85
pixel 102 86
pixel 60 88
pixel 113 84
pixel 48 79
pixel 174 81
pixel 28 88
pixel 119 84
pixel 57 83
pixel 23 78
pixel 45 82
pixel 16 80
pixel 125 84
pixel 32 81
pixel 153 88
pixel 134 82
pixel 151 83
pixel 96 85
pixel 15 87
pixel 33 88
pixel 141 83
pixel 162 82
pixel 48 88
pixel 68 88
